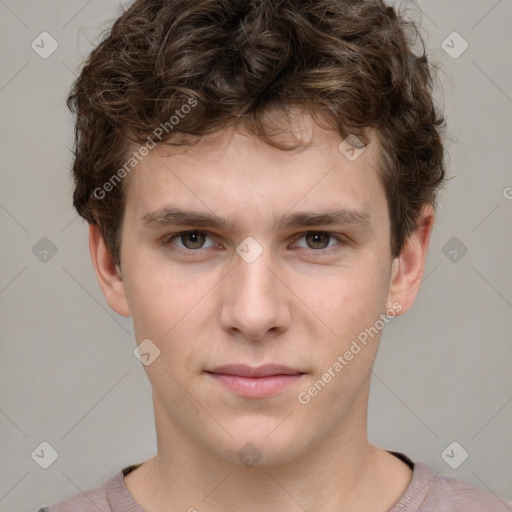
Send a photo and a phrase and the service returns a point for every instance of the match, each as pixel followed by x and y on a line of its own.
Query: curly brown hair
pixel 348 63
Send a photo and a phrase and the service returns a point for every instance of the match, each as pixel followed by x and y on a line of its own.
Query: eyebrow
pixel 167 217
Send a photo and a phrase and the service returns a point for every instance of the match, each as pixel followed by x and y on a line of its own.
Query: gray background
pixel 68 374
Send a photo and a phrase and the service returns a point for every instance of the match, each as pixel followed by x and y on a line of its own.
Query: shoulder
pixel 459 495
pixel 447 494
pixel 88 501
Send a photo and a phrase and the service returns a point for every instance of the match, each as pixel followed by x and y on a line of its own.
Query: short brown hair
pixel 348 62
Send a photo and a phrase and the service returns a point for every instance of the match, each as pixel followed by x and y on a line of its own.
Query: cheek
pixel 159 302
pixel 346 299
pixel 172 315
pixel 169 306
pixel 350 304
pixel 173 305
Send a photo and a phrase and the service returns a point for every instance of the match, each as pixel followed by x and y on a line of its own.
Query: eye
pixel 189 240
pixel 192 241
pixel 319 240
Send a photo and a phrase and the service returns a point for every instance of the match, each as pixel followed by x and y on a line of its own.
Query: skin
pixel 294 305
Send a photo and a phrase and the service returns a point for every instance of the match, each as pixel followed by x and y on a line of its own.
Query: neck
pixel 343 473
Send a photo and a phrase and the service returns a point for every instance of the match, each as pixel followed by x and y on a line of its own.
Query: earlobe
pixel 109 274
pixel 408 267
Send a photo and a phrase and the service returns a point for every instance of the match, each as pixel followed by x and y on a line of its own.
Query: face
pixel 238 254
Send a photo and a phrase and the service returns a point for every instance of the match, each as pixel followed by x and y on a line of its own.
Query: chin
pixel 267 444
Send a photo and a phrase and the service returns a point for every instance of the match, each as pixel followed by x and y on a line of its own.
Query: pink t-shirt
pixel 427 492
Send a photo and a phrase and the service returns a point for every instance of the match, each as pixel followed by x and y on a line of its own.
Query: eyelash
pixel 341 239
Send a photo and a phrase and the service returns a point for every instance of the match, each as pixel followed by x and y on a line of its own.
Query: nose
pixel 255 303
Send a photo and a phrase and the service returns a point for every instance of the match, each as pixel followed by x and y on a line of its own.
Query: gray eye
pixel 317 240
pixel 193 240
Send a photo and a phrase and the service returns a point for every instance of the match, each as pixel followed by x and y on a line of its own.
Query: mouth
pixel 250 382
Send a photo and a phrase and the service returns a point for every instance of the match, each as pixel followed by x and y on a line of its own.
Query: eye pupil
pixel 193 240
pixel 318 240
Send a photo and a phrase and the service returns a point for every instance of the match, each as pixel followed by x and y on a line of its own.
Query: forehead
pixel 239 175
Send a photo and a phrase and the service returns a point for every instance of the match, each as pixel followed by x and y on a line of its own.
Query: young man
pixel 260 179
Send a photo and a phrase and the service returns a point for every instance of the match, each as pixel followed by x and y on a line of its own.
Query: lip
pixel 260 382
pixel 267 370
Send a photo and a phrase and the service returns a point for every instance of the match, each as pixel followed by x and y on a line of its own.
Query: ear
pixel 108 274
pixel 408 267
